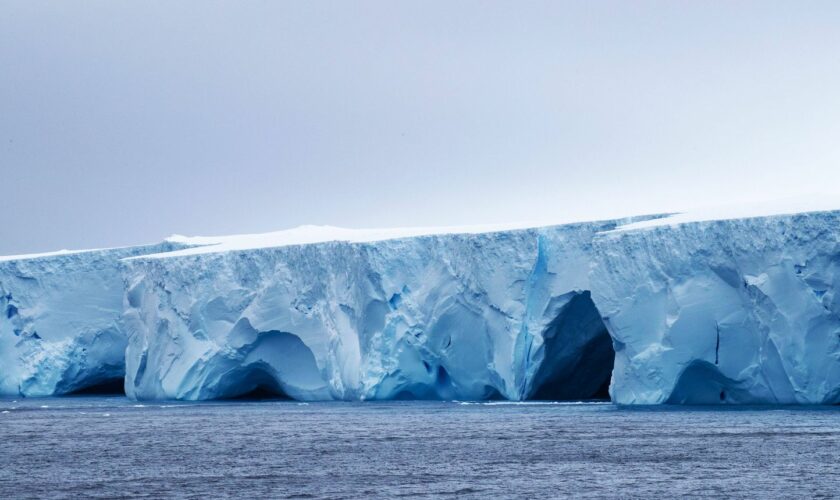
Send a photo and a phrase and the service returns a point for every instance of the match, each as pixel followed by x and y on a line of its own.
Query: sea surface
pixel 106 447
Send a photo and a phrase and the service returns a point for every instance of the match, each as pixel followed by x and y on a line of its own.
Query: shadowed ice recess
pixel 648 310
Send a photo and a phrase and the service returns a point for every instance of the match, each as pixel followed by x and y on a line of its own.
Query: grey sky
pixel 124 122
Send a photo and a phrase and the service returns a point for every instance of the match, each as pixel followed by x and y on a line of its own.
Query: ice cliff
pixel 646 311
pixel 60 329
pixel 742 311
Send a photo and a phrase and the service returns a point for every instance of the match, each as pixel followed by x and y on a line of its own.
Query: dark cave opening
pixel 254 383
pixel 702 383
pixel 262 393
pixel 577 355
pixel 110 387
pixel 603 392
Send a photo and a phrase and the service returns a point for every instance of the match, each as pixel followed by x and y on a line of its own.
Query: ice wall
pixel 735 311
pixel 59 321
pixel 443 317
pixel 727 311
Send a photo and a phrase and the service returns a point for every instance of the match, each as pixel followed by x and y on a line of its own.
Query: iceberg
pixel 645 310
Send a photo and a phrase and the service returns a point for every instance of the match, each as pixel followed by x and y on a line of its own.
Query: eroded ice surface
pixel 60 320
pixel 674 310
pixel 724 311
pixel 440 316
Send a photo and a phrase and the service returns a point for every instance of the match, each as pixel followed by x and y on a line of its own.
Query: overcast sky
pixel 125 122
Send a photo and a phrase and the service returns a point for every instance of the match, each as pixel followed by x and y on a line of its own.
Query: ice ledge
pixel 787 206
pixel 311 234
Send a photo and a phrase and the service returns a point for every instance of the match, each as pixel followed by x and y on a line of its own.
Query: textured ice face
pixel 443 317
pixel 60 327
pixel 742 311
pixel 733 311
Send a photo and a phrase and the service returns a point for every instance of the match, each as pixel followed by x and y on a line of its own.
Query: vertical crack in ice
pixel 525 340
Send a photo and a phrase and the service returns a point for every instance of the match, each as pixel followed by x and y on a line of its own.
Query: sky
pixel 124 122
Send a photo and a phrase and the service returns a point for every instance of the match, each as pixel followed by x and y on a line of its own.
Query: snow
pixel 127 250
pixel 310 234
pixel 7 258
pixel 785 206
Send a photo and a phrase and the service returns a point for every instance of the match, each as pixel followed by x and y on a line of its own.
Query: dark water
pixel 111 447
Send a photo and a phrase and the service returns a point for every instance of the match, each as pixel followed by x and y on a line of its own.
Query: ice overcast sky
pixel 124 122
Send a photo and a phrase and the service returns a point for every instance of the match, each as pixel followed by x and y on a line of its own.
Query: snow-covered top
pixel 4 258
pixel 304 235
pixel 788 206
pixel 319 234
pixel 59 253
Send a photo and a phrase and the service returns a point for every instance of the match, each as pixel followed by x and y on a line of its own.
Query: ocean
pixel 107 447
